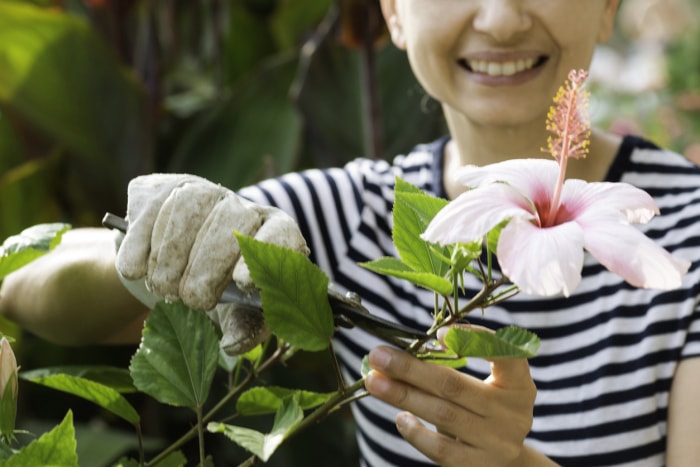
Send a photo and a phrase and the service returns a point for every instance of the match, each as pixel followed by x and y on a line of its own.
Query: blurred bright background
pixel 94 92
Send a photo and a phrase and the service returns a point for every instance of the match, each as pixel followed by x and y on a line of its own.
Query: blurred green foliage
pixel 660 46
pixel 684 84
pixel 95 92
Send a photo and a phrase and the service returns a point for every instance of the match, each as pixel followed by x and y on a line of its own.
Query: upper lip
pixel 502 56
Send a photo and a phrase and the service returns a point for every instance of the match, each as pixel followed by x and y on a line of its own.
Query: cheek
pixel 579 28
pixel 432 59
pixel 577 43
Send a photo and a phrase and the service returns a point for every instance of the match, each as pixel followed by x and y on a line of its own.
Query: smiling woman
pixel 461 58
pixel 616 377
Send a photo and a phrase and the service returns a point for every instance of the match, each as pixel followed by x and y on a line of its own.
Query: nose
pixel 502 19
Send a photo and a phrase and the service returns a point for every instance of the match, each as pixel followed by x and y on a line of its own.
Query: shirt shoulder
pixel 422 166
pixel 648 166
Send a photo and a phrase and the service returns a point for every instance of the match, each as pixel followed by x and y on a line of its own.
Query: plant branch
pixel 336 367
pixel 200 434
pixel 247 381
pixel 340 399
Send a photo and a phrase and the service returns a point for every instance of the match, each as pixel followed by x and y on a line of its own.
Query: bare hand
pixel 479 422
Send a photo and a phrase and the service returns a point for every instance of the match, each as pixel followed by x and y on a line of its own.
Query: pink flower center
pixel 548 217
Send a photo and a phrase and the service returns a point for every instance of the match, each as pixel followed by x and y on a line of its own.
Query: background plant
pixel 93 93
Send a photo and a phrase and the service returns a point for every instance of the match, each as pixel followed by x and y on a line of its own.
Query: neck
pixel 482 145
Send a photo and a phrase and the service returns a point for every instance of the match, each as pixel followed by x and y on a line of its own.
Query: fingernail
pixel 376 384
pixel 403 421
pixel 379 358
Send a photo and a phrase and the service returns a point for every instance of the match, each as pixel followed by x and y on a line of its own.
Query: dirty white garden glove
pixel 242 328
pixel 180 237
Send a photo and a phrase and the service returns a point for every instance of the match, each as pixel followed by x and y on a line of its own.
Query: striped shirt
pixel 608 352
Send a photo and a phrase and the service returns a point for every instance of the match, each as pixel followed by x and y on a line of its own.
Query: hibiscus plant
pixel 521 213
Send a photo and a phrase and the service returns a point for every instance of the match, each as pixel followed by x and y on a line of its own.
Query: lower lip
pixel 511 80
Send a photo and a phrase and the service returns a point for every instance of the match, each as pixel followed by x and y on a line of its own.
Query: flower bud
pixel 8 389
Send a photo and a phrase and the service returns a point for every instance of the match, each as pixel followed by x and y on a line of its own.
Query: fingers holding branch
pixel 477 421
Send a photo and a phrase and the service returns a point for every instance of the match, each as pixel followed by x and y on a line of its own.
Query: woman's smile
pixel 504 69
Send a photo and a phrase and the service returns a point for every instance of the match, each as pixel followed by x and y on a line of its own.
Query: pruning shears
pixel 348 311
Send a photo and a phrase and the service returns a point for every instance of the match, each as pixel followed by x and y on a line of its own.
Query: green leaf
pixel 396 268
pixel 33 242
pixel 494 235
pixel 57 447
pixel 118 379
pixel 28 191
pixel 268 399
pixel 59 75
pixel 365 367
pixel 175 459
pixel 263 445
pixel 332 77
pixel 100 447
pixel 228 362
pixel 293 20
pixel 42 237
pixel 404 187
pixel 5 452
pixel 413 211
pixel 17 260
pixel 446 358
pixel 8 407
pixel 254 354
pixel 97 393
pixel 508 342
pixel 254 130
pixel 294 294
pixel 9 338
pixel 178 355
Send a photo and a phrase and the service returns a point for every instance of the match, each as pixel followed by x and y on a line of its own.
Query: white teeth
pixel 502 68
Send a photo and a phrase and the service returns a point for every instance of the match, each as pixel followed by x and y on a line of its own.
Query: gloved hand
pixel 242 328
pixel 180 237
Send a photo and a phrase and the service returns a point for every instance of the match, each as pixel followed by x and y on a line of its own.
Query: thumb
pixel 510 373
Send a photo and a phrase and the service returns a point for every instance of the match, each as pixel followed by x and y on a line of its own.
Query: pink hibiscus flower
pixel 552 220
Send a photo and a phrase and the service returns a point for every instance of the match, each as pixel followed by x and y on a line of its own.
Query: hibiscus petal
pixel 628 253
pixel 542 261
pixel 534 178
pixel 580 198
pixel 474 213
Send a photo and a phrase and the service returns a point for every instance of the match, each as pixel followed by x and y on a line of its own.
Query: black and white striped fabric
pixel 608 352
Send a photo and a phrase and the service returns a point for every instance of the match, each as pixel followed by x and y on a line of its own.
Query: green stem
pixel 200 434
pixel 336 367
pixel 247 381
pixel 139 437
pixel 478 301
pixel 340 399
